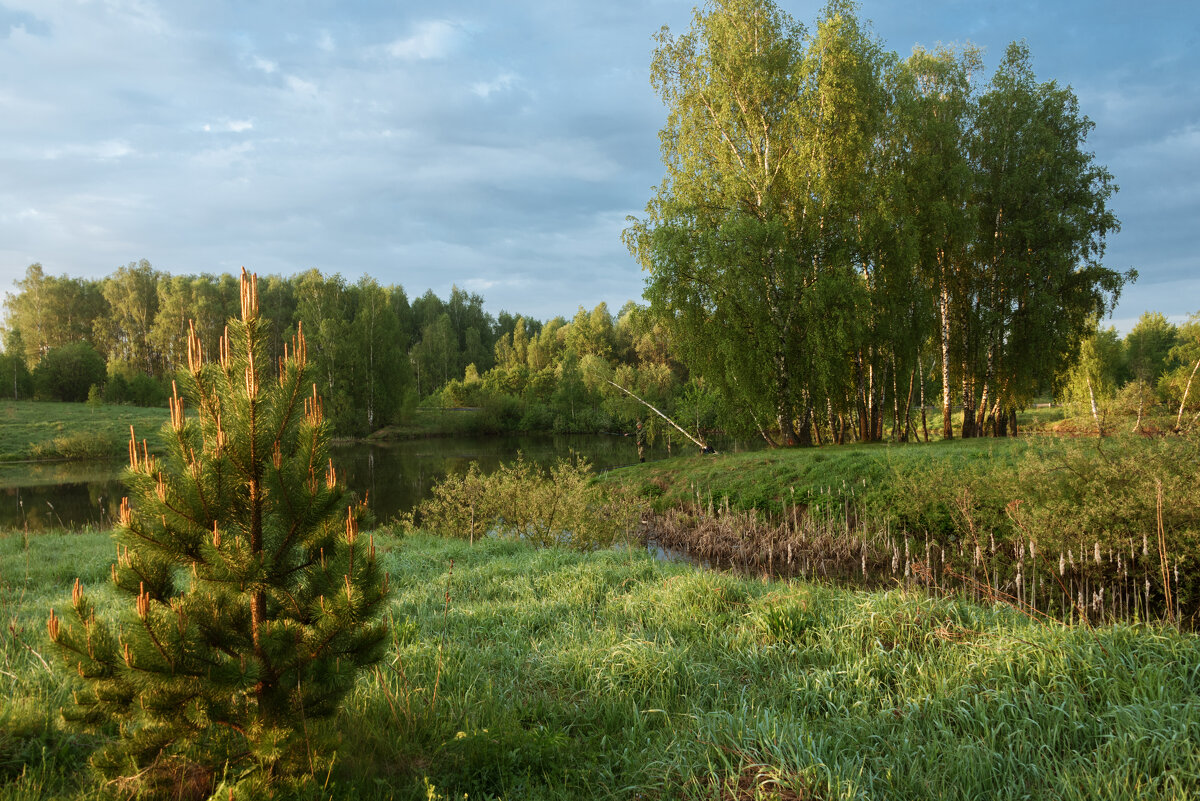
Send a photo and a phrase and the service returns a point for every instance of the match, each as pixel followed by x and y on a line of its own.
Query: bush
pixel 68 372
pixel 561 506
pixel 85 445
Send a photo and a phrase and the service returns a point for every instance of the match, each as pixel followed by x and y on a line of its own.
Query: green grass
pixel 54 430
pixel 552 674
pixel 432 423
pixel 769 480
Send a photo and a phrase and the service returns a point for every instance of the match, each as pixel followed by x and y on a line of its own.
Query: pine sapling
pixel 252 600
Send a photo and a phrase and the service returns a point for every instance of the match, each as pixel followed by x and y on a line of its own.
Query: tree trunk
pixel 1182 403
pixel 924 416
pixel 944 308
pixel 968 404
pixel 1095 411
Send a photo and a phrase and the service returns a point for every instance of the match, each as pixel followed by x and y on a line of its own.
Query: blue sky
pixel 496 146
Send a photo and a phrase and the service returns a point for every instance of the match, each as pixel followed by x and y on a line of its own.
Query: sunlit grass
pixel 55 430
pixel 552 674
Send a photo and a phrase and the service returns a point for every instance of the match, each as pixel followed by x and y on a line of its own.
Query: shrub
pixel 68 372
pixel 561 506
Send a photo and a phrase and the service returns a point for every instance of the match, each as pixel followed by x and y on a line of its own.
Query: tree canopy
pixel 829 212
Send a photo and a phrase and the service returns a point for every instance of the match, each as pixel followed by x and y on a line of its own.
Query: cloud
pixel 12 21
pixel 432 39
pixel 230 126
pixel 301 86
pixel 266 65
pixel 500 83
pixel 104 151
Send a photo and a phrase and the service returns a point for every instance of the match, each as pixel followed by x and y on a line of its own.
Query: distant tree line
pixel 835 222
pixel 377 355
pixel 124 335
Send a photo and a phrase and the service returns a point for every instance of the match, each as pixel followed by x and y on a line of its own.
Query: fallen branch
pixel 703 446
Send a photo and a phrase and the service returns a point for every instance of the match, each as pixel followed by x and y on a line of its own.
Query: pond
pixel 393 476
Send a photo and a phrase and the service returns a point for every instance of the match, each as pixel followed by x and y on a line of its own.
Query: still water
pixel 393 476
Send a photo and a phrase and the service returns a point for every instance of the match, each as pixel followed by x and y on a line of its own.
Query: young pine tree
pixel 252 601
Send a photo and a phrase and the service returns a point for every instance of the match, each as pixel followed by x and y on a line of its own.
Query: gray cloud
pixel 495 146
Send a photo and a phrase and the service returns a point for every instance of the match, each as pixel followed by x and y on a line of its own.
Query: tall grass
pixel 551 674
pixel 1082 529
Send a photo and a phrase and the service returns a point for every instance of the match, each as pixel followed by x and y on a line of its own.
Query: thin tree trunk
pixel 924 416
pixel 1186 390
pixel 699 442
pixel 1095 411
pixel 944 307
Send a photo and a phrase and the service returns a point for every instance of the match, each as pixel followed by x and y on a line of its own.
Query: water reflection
pixel 393 476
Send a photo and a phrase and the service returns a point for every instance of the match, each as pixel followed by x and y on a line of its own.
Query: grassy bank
pixel 1096 528
pixel 552 674
pixel 54 430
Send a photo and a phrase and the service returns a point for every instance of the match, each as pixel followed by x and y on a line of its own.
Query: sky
pixel 494 146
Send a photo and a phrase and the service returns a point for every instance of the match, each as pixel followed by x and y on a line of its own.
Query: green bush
pixel 68 372
pixel 85 445
pixel 561 506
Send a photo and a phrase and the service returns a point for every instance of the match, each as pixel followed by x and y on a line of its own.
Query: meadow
pixel 516 672
pixel 55 430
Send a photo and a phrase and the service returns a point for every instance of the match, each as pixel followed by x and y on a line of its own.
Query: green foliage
pixel 66 373
pixel 1148 345
pixel 828 213
pixel 559 506
pixel 253 597
pixel 15 379
pixel 85 445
